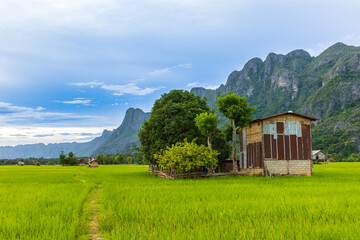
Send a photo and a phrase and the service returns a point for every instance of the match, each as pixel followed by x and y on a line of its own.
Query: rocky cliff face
pixel 326 86
pixel 124 137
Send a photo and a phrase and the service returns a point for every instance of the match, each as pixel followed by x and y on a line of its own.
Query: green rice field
pixel 126 202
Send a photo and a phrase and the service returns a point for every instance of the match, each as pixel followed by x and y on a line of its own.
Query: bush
pixel 354 157
pixel 186 157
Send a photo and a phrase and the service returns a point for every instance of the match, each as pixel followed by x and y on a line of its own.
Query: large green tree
pixel 239 112
pixel 171 121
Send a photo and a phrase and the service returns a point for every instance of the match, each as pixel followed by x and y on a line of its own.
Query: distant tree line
pixel 30 161
pixel 339 157
pixel 127 158
pixel 71 159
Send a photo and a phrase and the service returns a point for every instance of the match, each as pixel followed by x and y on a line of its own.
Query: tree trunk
pixel 235 167
pixel 210 150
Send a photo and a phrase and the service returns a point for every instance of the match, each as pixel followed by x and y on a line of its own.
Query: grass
pixel 48 203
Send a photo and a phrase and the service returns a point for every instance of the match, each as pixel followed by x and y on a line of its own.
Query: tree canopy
pixel 237 109
pixel 172 120
pixel 206 122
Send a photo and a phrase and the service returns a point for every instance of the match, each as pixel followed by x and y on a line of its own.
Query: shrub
pixel 186 157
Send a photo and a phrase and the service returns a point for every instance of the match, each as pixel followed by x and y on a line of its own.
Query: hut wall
pixel 287 145
pixel 287 137
pixel 252 147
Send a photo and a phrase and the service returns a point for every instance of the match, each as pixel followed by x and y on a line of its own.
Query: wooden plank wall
pixel 287 143
pixel 254 155
pixel 254 148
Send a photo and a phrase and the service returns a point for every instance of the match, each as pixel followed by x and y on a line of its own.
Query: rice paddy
pixel 55 202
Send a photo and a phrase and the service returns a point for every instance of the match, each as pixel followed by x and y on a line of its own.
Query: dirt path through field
pixel 94 224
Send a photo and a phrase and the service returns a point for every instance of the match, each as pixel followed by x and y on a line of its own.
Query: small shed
pixel 317 156
pixel 93 163
pixel 21 163
pixel 279 144
pixel 81 162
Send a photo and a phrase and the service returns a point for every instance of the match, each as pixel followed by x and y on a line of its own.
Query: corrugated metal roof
pixel 316 152
pixel 284 113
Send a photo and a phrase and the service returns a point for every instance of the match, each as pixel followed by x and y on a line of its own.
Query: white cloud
pixel 196 84
pixel 168 69
pixel 81 101
pixel 185 65
pixel 191 85
pixel 13 108
pixel 11 114
pixel 130 88
pixel 213 87
pixel 91 84
pixel 160 71
pixel 14 135
pixel 116 89
pixel 114 16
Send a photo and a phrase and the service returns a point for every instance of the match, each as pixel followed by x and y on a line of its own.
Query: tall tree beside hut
pixel 239 112
pixel 207 124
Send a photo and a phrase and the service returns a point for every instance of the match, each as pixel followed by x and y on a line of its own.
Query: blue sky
pixel 69 69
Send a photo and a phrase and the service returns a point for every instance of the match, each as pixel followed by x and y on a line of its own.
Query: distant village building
pixel 277 145
pixel 21 163
pixel 81 162
pixel 318 156
pixel 93 163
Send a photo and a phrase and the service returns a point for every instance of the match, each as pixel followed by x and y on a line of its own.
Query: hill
pixel 124 137
pixel 326 86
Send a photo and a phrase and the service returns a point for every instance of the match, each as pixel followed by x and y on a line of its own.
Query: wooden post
pixel 235 168
pixel 210 150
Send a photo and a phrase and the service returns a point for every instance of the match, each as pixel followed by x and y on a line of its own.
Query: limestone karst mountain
pixel 326 86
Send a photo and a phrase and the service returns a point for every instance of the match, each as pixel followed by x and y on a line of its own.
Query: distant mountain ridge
pixel 326 86
pixel 121 139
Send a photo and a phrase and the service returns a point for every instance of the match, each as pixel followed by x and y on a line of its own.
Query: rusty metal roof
pixel 284 113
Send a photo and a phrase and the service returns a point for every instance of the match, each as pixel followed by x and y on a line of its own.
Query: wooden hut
pixel 277 145
pixel 81 162
pixel 318 156
pixel 93 163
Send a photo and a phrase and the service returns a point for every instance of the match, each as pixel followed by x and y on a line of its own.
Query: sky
pixel 71 68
